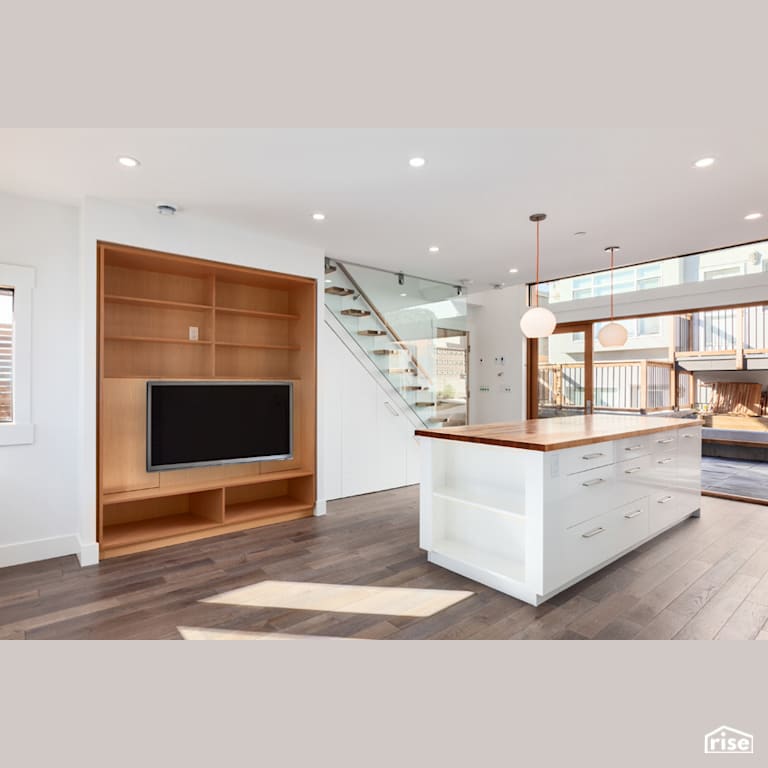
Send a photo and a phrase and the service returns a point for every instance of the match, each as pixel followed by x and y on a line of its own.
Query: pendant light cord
pixel 612 250
pixel 536 297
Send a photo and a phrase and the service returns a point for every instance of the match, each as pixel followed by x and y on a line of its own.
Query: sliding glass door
pixel 561 373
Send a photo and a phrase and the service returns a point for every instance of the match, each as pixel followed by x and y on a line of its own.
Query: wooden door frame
pixel 532 353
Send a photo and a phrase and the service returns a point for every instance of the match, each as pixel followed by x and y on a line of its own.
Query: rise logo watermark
pixel 728 741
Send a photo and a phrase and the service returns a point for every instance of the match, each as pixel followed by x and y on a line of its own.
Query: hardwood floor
pixel 706 578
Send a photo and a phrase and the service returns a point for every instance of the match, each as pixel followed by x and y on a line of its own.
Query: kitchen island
pixel 530 508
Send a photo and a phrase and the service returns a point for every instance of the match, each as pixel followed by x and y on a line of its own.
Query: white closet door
pixel 392 460
pixel 359 416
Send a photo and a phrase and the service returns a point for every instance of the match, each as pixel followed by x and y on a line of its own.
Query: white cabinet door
pixel 390 441
pixel 359 451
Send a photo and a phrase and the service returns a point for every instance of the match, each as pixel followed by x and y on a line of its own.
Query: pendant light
pixel 614 334
pixel 538 321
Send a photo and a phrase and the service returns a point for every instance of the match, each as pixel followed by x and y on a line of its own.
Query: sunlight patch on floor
pixel 342 598
pixel 204 633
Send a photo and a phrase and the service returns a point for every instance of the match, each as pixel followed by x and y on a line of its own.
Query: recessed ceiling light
pixel 128 161
pixel 753 216
pixel 434 249
pixel 416 162
pixel 513 271
pixel 403 294
pixel 328 280
pixel 318 216
pixel 705 162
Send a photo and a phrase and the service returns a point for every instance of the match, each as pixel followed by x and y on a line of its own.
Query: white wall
pixel 189 235
pixel 39 482
pixel 494 332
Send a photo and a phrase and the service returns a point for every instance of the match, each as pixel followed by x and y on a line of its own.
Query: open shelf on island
pixel 508 567
pixel 496 502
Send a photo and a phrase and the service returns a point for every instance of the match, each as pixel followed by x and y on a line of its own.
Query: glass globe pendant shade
pixel 612 335
pixel 538 322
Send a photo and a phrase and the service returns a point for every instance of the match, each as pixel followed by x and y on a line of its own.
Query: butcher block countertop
pixel 561 432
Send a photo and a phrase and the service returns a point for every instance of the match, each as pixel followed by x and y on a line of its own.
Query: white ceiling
pixel 633 188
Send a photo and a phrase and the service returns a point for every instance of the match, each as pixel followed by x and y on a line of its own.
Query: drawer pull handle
pixel 590 483
pixel 631 470
pixel 664 499
pixel 664 461
pixel 633 448
pixel 593 532
pixel 666 442
pixel 689 437
pixel 630 515
pixel 589 456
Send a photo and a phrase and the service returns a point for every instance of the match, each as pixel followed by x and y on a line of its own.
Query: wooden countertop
pixel 561 432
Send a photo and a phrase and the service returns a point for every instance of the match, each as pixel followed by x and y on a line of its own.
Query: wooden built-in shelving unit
pixel 252 325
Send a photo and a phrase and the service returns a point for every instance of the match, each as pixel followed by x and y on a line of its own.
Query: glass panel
pixel 414 330
pixel 561 375
pixel 680 270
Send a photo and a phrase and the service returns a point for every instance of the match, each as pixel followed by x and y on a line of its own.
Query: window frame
pixel 21 280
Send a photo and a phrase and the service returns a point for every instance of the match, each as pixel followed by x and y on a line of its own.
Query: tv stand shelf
pixel 252 325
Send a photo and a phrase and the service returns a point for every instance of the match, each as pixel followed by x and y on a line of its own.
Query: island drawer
pixel 632 447
pixel 664 442
pixel 582 458
pixel 587 494
pixel 593 542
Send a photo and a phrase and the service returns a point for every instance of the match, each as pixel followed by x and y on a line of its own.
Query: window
pixel 716 274
pixel 6 355
pixel 16 287
pixel 625 280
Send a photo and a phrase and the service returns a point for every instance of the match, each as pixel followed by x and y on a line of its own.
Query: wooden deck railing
pixel 6 372
pixel 739 331
pixel 629 385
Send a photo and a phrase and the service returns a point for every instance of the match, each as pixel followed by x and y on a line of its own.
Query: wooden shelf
pixel 139 531
pixel 252 325
pixel 151 493
pixel 240 345
pixel 258 313
pixel 264 508
pixel 157 340
pixel 139 302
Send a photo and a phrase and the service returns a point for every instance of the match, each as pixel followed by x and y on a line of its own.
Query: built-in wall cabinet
pixel 169 317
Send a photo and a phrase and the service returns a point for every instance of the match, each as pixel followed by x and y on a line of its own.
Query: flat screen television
pixel 203 423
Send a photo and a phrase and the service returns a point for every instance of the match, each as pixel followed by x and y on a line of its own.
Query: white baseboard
pixel 38 549
pixel 88 554
pixel 319 508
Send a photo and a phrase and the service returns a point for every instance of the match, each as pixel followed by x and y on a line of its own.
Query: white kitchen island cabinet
pixel 530 508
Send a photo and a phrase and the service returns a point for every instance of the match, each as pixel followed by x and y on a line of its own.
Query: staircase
pixel 408 365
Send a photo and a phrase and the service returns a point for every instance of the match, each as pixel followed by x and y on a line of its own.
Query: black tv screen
pixel 192 424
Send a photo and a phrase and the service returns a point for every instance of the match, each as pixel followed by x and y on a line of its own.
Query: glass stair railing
pixel 413 330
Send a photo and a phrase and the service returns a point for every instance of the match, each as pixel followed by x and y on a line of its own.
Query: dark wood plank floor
pixel 707 578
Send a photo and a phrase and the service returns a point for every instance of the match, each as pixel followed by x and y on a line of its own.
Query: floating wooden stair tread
pixel 336 290
pixel 371 333
pixel 414 388
pixel 264 508
pixel 437 420
pixel 423 404
pixel 384 351
pixel 396 371
pixel 329 269
pixel 355 312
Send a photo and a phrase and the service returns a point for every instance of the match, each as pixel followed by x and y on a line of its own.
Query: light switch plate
pixel 194 333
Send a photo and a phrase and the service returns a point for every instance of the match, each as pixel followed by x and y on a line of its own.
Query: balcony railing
pixel 633 386
pixel 742 330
